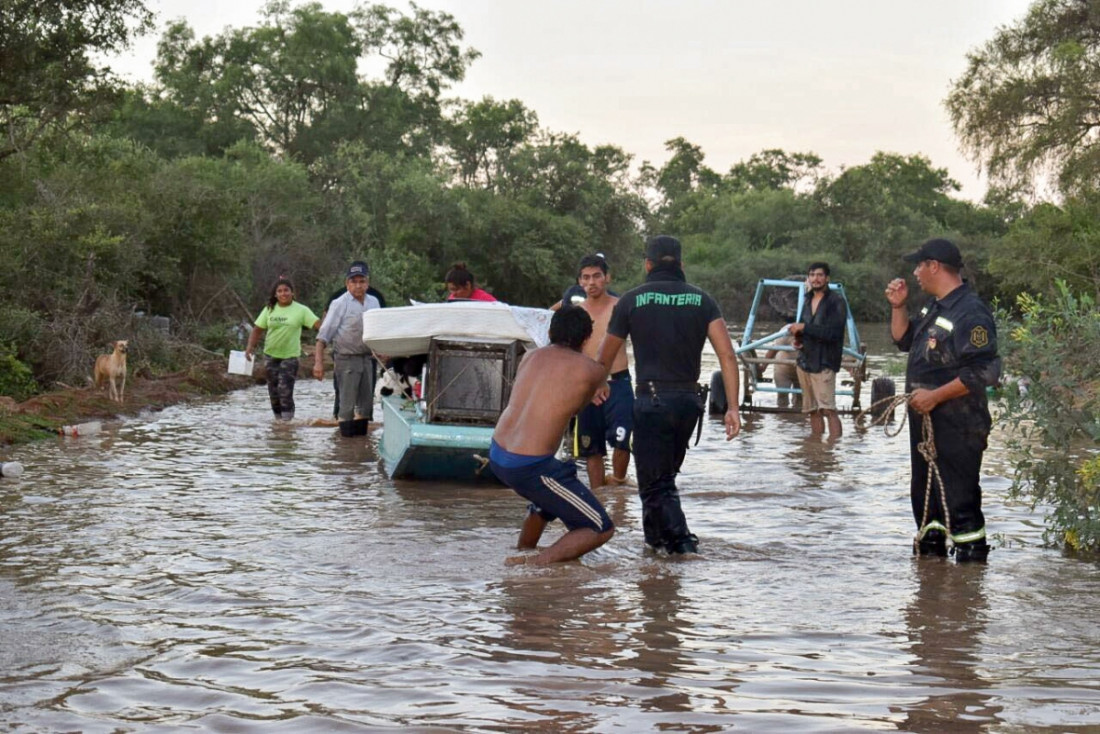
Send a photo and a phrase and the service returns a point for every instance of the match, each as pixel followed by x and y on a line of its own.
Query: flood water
pixel 202 569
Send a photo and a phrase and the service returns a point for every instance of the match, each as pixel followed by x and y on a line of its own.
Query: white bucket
pixel 239 364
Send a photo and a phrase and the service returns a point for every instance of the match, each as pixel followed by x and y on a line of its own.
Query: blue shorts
pixel 610 423
pixel 552 488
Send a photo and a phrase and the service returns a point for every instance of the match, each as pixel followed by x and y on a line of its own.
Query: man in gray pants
pixel 343 329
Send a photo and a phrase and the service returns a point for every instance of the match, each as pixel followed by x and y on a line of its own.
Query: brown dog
pixel 112 367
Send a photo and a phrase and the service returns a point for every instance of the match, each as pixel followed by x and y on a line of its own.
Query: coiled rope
pixel 926 448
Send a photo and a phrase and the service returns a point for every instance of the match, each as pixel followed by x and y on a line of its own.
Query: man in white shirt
pixel 343 330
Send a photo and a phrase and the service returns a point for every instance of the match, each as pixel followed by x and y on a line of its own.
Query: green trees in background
pixel 1027 110
pixel 290 146
pixel 774 213
pixel 48 78
pixel 1027 105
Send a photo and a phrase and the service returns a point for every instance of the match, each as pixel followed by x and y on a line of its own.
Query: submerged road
pixel 205 569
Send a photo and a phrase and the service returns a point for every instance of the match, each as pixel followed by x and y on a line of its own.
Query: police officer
pixel 952 345
pixel 668 320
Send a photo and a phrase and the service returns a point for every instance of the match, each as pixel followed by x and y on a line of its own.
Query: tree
pixel 294 79
pixel 48 78
pixel 1029 101
pixel 1051 244
pixel 878 209
pixel 684 172
pixel 774 169
pixel 482 135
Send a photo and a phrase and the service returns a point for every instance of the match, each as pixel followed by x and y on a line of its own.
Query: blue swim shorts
pixel 609 423
pixel 552 488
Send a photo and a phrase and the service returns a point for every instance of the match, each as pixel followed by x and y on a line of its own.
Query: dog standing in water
pixel 112 367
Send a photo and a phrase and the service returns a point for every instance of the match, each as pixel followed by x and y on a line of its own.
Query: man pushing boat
pixel 529 433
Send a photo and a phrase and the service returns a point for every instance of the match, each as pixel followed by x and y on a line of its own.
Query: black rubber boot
pixel 688 544
pixel 934 543
pixel 975 552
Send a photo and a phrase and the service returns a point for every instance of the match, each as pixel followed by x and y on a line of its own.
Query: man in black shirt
pixel 668 320
pixel 820 331
pixel 952 345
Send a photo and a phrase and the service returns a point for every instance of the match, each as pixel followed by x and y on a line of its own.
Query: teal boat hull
pixel 414 449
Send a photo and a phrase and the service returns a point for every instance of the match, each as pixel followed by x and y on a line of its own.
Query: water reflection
pixel 203 567
pixel 816 459
pixel 660 639
pixel 946 620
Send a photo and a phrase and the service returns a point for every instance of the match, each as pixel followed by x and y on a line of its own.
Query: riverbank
pixel 44 414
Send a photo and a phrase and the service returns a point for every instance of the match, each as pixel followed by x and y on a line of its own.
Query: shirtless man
pixel 529 432
pixel 611 421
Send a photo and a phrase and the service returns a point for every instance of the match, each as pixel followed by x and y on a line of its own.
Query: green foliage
pixel 1051 243
pixel 483 135
pixel 293 81
pixel 1029 101
pixel 314 137
pixel 16 378
pixel 48 77
pixel 1053 349
pixel 775 169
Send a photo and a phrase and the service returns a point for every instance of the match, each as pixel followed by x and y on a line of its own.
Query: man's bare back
pixel 552 384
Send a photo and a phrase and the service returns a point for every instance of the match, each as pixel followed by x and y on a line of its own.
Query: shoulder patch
pixel 979 336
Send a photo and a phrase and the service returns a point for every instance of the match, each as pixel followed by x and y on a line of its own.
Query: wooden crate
pixel 470 380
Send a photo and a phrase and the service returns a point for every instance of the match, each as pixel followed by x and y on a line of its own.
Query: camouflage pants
pixel 281 374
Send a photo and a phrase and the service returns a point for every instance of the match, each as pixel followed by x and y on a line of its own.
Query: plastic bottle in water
pixel 81 429
pixel 10 469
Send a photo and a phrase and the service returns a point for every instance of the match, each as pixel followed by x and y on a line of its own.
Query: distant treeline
pixel 271 150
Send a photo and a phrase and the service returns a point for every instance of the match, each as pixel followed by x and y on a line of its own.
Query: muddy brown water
pixel 202 569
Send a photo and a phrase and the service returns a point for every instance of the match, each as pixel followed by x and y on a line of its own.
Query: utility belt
pixel 654 388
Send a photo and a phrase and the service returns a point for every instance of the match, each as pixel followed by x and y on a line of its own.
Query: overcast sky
pixel 839 78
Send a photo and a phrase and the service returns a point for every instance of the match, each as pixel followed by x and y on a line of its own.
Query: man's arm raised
pixel 897 294
pixel 723 347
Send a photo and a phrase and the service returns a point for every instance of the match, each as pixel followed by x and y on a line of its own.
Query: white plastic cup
pixel 10 469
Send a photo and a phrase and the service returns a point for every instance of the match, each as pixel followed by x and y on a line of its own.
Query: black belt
pixel 652 386
pixel 655 387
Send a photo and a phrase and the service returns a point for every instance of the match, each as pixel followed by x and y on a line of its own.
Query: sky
pixel 839 78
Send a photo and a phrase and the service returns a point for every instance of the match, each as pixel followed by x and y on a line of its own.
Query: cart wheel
pixel 882 388
pixel 717 402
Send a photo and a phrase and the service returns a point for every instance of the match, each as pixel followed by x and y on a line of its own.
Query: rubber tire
pixel 881 388
pixel 716 404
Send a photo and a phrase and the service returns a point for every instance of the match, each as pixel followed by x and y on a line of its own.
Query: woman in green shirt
pixel 283 319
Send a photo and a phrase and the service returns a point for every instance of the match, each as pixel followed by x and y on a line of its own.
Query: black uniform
pixel 667 321
pixel 952 337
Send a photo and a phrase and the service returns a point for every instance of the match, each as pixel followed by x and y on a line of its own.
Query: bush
pixel 16 378
pixel 1052 405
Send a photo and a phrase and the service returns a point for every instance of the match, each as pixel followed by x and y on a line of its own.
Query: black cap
pixel 938 249
pixel 662 247
pixel 358 268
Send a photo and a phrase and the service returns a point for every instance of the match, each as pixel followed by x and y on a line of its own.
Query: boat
pixel 471 351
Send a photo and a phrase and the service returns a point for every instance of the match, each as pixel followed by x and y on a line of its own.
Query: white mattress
pixel 408 330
